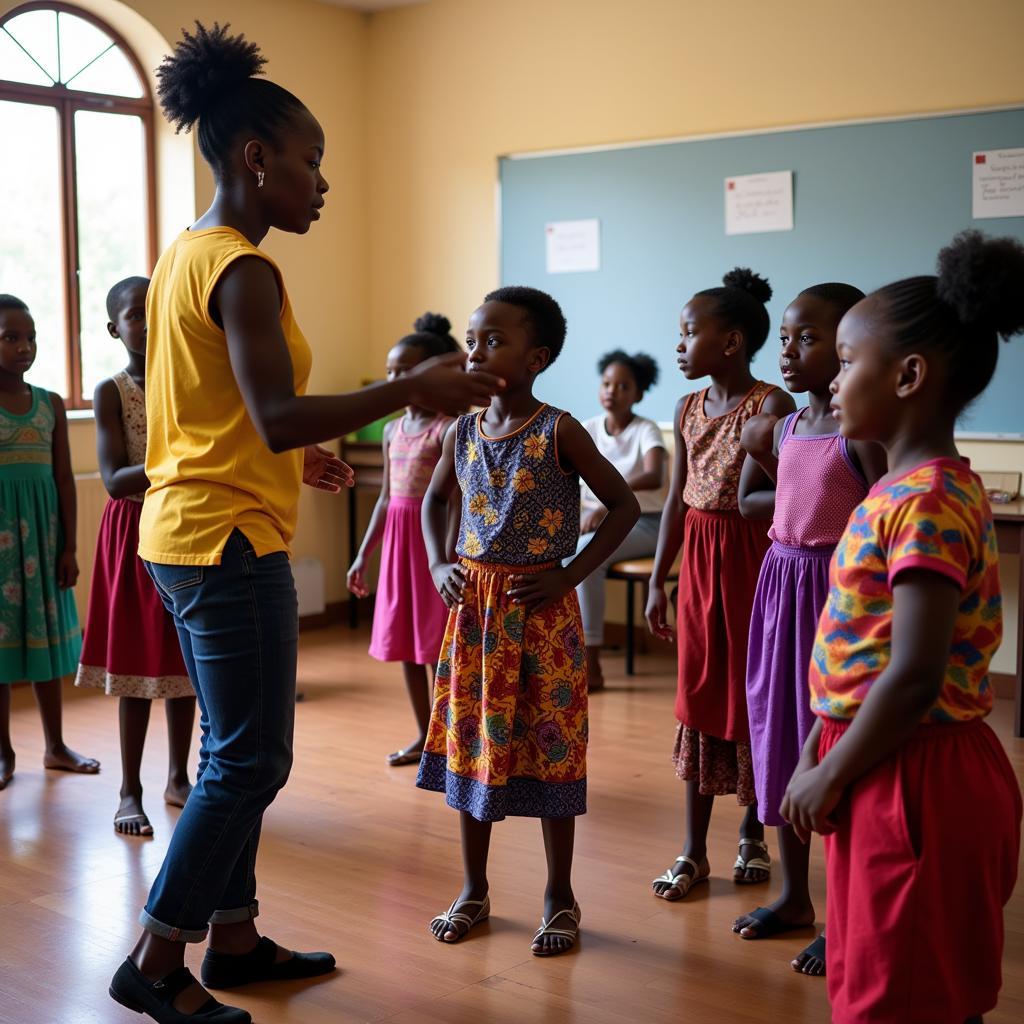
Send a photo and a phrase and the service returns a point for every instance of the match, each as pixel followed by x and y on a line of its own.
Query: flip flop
pixel 681 881
pixel 572 932
pixel 455 917
pixel 768 924
pixel 815 951
pixel 145 830
pixel 400 757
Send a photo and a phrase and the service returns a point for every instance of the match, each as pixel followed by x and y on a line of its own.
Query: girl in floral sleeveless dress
pixel 408 615
pixel 39 634
pixel 721 330
pixel 508 734
pixel 131 649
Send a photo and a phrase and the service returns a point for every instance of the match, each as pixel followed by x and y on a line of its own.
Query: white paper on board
pixel 573 246
pixel 759 202
pixel 998 183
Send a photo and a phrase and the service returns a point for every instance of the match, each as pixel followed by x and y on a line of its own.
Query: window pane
pixel 112 228
pixel 80 42
pixel 17 66
pixel 31 256
pixel 112 73
pixel 37 32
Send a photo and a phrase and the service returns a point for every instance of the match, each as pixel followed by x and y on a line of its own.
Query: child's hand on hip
pixel 450 580
pixel 538 591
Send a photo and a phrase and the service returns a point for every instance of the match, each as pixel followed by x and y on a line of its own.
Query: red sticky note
pixel 731 185
pixel 979 158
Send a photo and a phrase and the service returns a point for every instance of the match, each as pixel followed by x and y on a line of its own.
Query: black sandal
pixel 229 970
pixel 131 988
pixel 814 952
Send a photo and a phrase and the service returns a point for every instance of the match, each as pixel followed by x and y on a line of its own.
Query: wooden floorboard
pixel 356 860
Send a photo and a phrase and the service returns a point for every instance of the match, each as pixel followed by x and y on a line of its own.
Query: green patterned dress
pixel 39 634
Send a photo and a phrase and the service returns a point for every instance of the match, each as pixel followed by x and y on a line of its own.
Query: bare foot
pixel 64 759
pixel 6 767
pixel 130 819
pixel 177 793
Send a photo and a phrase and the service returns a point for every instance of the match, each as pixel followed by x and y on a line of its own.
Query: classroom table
pixel 1009 520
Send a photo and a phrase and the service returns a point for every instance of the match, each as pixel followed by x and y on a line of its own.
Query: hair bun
pixel 433 323
pixel 982 279
pixel 203 66
pixel 746 280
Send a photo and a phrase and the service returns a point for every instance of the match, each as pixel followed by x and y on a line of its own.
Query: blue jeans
pixel 239 629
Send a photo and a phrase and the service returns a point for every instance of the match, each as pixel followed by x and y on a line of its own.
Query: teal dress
pixel 39 634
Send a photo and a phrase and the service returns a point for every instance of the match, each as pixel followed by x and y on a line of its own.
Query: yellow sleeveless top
pixel 209 471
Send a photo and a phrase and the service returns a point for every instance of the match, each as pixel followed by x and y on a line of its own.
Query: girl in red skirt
pixel 720 330
pixel 912 789
pixel 131 649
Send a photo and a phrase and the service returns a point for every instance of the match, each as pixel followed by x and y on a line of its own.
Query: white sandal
pixel 454 918
pixel 681 880
pixel 568 933
pixel 762 863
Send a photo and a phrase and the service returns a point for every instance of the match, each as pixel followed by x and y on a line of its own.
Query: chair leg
pixel 630 612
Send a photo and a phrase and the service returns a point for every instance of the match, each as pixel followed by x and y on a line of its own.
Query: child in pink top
pixel 408 617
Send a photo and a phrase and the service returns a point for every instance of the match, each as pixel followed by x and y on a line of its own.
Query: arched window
pixel 77 184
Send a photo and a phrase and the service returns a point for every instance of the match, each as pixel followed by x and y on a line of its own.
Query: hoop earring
pixel 259 179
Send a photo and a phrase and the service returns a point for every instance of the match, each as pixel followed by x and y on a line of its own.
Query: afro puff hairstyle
pixel 740 304
pixel 432 335
pixel 643 368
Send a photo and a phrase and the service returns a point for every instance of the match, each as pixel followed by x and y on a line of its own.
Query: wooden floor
pixel 356 860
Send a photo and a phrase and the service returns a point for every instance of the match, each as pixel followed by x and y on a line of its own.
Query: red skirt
pixel 722 555
pixel 131 647
pixel 922 862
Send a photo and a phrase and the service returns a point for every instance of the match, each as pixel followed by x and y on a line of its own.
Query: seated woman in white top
pixel 634 446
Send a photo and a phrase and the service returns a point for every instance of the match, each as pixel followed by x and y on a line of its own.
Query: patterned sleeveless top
pixel 519 507
pixel 412 457
pixel 27 440
pixel 133 421
pixel 714 456
pixel 818 488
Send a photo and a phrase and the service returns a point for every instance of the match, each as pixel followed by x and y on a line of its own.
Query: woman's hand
pixel 591 519
pixel 810 799
pixel 450 580
pixel 758 434
pixel 442 384
pixel 322 469
pixel 67 570
pixel 356 578
pixel 539 590
pixel 657 614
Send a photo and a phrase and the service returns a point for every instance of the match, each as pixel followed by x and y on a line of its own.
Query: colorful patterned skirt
pixel 39 635
pixel 508 733
pixel 131 647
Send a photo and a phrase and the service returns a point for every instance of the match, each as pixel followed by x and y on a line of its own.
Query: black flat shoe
pixel 131 988
pixel 226 970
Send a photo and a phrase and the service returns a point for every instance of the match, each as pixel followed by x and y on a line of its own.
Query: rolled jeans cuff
pixel 165 931
pixel 246 913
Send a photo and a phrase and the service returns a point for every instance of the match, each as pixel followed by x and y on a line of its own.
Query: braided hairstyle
pixel 542 312
pixel 960 313
pixel 431 335
pixel 210 78
pixel 643 368
pixel 740 305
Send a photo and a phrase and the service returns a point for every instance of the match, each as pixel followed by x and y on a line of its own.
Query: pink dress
pixel 408 616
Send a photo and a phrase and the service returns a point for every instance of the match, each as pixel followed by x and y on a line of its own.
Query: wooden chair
pixel 631 572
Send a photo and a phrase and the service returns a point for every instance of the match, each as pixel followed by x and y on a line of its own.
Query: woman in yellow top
pixel 231 437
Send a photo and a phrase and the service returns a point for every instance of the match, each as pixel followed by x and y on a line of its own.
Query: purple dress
pixel 818 487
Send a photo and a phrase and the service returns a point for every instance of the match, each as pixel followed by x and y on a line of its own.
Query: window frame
pixel 67 103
